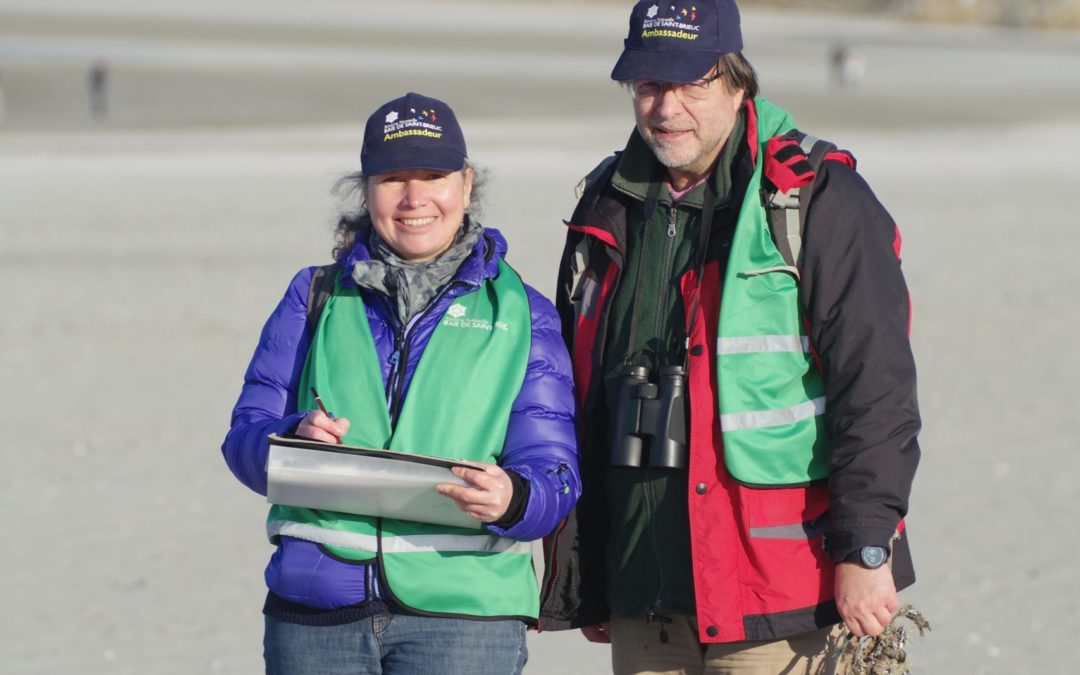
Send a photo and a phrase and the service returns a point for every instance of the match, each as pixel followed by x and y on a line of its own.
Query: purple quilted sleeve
pixel 541 443
pixel 267 402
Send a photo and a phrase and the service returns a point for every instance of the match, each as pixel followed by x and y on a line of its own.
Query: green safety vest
pixel 772 395
pixel 458 407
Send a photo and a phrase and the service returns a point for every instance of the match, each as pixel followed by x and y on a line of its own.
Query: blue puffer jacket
pixel 540 446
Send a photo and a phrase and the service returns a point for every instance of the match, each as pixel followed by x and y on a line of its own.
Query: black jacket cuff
pixel 841 544
pixel 518 500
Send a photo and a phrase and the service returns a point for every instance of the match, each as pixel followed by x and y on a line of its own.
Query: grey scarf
pixel 414 285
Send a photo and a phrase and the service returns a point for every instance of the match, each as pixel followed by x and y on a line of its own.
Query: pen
pixel 322 406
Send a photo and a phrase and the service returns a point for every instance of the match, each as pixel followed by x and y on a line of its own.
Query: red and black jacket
pixel 761 569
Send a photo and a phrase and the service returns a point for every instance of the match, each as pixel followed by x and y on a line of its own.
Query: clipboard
pixel 362 481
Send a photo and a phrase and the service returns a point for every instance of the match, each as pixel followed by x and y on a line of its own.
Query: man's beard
pixel 678 157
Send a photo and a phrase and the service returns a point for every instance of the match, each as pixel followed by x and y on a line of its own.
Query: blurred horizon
pixel 266 63
pixel 1046 14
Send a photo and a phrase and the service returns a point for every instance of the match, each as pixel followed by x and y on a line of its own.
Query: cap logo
pixel 420 123
pixel 682 23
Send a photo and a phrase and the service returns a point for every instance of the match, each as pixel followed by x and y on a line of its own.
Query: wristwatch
pixel 870 557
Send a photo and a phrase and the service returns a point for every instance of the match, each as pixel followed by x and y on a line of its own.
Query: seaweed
pixel 884 654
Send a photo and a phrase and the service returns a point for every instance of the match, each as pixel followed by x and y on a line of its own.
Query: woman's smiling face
pixel 417 212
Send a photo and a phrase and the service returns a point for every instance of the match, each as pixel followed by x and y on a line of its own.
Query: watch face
pixel 873 556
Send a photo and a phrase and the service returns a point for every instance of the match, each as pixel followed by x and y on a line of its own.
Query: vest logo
pixel 455 318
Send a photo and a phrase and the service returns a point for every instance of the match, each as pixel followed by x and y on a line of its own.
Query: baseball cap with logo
pixel 412 132
pixel 678 40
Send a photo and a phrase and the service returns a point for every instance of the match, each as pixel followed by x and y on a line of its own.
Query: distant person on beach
pixel 96 82
pixel 733 302
pixel 847 65
pixel 428 342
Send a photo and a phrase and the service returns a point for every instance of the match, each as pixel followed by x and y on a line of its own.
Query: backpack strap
pixel 323 281
pixel 601 208
pixel 792 162
pixel 597 178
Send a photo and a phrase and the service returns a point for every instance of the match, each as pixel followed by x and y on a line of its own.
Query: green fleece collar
pixel 638 168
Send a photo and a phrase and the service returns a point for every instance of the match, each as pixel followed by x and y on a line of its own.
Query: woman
pixel 428 343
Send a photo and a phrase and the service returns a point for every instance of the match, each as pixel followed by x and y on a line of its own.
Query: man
pixel 738 531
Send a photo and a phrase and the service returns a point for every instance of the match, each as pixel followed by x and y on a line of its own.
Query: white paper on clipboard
pixel 362 481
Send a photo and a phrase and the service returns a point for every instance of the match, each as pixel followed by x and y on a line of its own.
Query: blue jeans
pixel 396 644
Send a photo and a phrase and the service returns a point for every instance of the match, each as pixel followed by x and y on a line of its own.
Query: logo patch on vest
pixel 455 318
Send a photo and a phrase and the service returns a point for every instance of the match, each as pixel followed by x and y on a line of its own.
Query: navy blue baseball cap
pixel 412 132
pixel 678 40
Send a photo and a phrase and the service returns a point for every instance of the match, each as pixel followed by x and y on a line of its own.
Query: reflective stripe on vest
pixel 419 543
pixel 458 407
pixel 772 397
pixel 763 343
pixel 772 418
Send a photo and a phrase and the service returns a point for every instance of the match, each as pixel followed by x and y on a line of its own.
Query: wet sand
pixel 141 254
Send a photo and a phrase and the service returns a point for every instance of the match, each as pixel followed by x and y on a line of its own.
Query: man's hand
pixel 487 496
pixel 318 426
pixel 865 598
pixel 600 632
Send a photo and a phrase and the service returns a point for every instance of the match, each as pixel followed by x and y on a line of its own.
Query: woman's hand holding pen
pixel 488 494
pixel 322 425
pixel 318 426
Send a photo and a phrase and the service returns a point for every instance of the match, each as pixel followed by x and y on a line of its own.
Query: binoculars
pixel 650 419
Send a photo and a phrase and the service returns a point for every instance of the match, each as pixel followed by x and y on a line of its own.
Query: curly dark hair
pixel 352 188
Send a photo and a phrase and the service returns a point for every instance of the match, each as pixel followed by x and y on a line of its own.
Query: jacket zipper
pixel 669 255
pixel 395 358
pixel 653 614
pixel 395 381
pixel 669 262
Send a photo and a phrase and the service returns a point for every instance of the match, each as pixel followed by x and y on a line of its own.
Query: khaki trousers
pixel 636 650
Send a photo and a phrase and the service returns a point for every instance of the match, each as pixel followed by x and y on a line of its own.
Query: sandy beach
pixel 141 253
